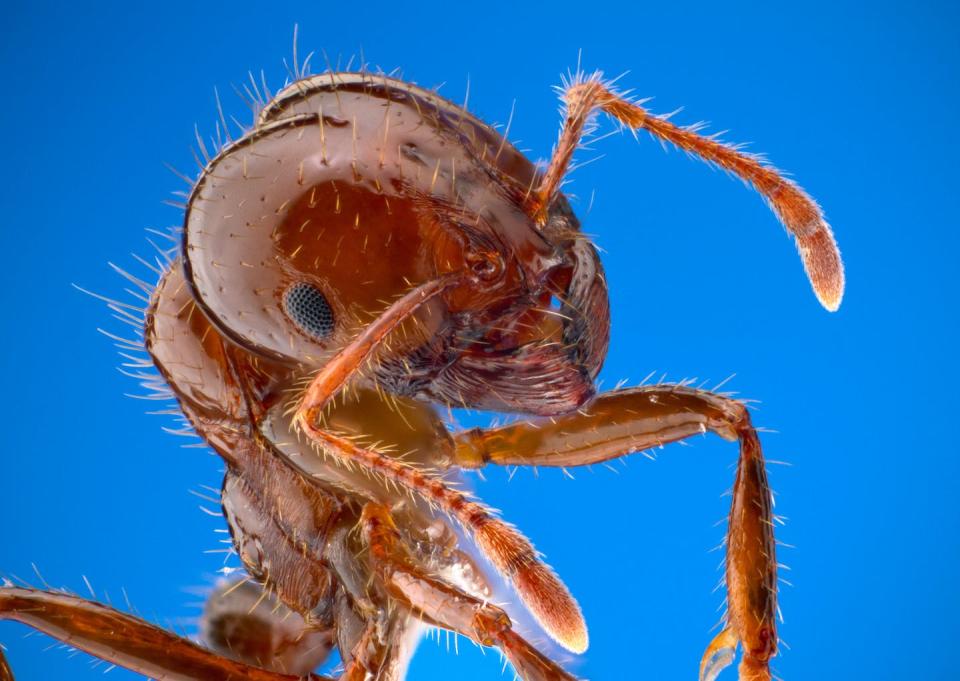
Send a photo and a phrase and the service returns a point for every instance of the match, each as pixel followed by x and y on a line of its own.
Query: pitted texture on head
pixel 308 308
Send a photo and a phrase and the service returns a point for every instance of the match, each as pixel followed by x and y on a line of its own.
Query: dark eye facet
pixel 308 308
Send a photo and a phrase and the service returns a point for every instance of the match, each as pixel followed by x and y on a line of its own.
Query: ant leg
pixel 514 556
pixel 124 640
pixel 634 419
pixel 796 210
pixel 442 604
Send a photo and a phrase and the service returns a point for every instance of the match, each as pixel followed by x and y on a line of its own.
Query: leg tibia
pixel 751 561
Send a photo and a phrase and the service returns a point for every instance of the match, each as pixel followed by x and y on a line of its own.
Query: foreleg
pixel 631 420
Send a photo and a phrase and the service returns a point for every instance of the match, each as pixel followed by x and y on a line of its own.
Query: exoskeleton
pixel 365 254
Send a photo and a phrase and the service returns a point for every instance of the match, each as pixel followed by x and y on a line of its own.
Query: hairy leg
pixel 634 419
pixel 123 639
pixel 444 605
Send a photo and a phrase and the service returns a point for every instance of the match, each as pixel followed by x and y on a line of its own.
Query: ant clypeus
pixel 366 251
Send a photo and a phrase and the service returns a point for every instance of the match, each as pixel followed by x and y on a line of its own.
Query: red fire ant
pixel 366 252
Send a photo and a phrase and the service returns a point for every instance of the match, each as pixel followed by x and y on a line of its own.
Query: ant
pixel 366 253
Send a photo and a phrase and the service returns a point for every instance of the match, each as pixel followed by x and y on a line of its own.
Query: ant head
pixel 351 190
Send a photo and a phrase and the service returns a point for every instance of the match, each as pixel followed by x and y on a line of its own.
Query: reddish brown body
pixel 366 252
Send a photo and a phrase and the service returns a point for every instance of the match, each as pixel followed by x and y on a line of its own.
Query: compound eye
pixel 308 309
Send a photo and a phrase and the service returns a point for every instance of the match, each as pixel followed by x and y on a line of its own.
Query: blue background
pixel 860 105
